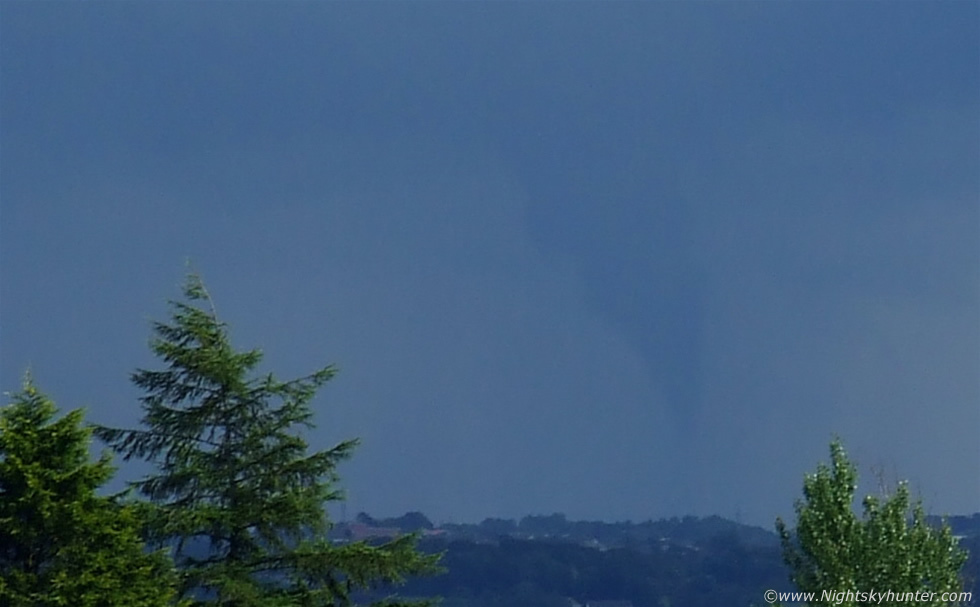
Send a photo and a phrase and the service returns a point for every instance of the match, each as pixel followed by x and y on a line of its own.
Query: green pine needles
pixel 61 544
pixel 236 494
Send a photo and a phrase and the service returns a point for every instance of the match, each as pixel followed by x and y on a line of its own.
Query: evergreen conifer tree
pixel 237 495
pixel 61 544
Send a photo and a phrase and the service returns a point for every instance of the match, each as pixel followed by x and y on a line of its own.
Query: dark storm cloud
pixel 618 260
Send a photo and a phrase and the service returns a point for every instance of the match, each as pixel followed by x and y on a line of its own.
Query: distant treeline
pixel 548 561
pixel 689 530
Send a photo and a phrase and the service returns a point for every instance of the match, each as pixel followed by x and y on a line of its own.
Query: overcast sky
pixel 620 261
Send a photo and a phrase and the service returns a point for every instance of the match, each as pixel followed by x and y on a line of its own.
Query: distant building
pixel 356 532
pixel 432 532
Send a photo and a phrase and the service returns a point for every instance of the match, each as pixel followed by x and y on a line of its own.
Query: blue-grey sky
pixel 621 261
